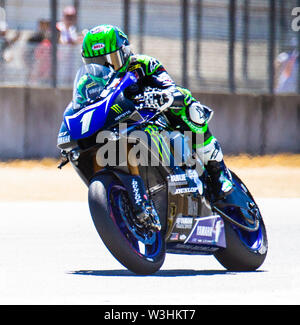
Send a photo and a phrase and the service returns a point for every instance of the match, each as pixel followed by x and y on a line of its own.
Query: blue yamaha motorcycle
pixel 142 202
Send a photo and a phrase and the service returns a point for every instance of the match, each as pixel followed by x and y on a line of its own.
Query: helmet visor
pixel 114 59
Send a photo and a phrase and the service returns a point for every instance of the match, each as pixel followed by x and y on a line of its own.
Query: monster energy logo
pixel 159 142
pixel 116 108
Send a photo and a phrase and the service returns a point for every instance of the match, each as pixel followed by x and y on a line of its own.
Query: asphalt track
pixel 50 253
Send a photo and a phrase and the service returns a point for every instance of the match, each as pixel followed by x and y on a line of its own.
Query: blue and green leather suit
pixel 186 113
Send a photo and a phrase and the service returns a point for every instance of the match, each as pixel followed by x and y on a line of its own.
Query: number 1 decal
pixel 86 121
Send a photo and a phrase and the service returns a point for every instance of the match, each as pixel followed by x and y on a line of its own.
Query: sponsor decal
pixel 122 115
pixel 97 29
pixel 262 249
pixel 177 178
pixel 192 206
pixel 92 91
pixel 98 46
pixel 174 236
pixel 165 79
pixel 136 191
pixel 62 134
pixel 153 63
pixel 186 190
pixel 182 237
pixel 204 231
pixel 191 173
pixel 184 223
pixel 208 231
pixel 117 109
pixel 134 67
pixel 91 84
pixel 64 139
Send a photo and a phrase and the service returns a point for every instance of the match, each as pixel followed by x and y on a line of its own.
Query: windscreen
pixel 89 82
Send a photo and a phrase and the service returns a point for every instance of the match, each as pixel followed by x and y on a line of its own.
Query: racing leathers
pixel 187 113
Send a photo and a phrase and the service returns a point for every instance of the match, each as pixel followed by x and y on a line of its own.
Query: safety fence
pixel 236 46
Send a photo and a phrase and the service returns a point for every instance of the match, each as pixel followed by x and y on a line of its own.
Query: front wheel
pixel 139 251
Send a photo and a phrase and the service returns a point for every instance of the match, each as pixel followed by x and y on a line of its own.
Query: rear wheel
pixel 245 250
pixel 241 253
pixel 140 251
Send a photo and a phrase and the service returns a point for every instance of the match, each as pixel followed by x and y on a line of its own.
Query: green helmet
pixel 106 45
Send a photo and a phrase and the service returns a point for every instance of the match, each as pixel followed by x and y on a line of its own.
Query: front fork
pixel 145 210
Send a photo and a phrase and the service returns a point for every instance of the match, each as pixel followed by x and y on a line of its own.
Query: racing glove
pixel 155 98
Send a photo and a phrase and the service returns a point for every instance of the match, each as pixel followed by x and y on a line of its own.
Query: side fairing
pixel 64 139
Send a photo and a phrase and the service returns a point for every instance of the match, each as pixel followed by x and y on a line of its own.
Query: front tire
pixel 108 202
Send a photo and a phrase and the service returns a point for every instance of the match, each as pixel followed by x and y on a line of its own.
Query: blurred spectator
pixel 39 35
pixel 42 60
pixel 68 39
pixel 286 69
pixel 67 27
pixel 33 41
pixel 5 41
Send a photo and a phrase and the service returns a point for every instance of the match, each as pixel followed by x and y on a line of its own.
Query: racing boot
pixel 219 174
pixel 212 157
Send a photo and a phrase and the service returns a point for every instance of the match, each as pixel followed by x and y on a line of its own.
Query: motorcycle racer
pixel 108 45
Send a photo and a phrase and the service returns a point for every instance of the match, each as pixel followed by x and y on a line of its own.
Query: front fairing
pixel 110 108
pixel 89 82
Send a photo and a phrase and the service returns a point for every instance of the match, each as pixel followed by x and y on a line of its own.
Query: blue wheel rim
pixel 252 240
pixel 145 246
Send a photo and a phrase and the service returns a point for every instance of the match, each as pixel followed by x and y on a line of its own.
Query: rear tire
pixel 239 257
pixel 123 246
pixel 245 251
